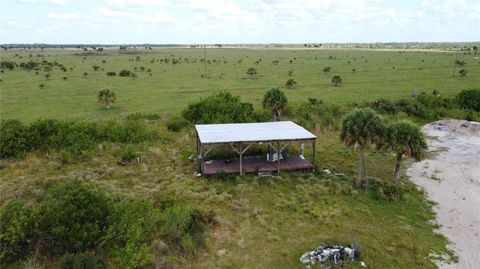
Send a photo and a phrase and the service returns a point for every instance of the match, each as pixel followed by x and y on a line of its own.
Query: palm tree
pixel 252 71
pixel 106 97
pixel 336 80
pixel 276 100
pixel 404 138
pixel 291 83
pixel 361 127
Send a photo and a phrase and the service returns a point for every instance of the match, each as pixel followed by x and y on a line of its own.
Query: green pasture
pixel 378 74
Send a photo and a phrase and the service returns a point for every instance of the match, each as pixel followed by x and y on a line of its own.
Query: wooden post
pixel 241 159
pixel 278 157
pixel 313 154
pixel 201 160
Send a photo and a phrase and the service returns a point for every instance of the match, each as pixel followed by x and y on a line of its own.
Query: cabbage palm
pixel 404 138
pixel 276 100
pixel 106 97
pixel 361 127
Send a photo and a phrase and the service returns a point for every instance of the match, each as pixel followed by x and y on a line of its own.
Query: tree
pixel 134 76
pixel 96 67
pixel 290 72
pixel 463 72
pixel 361 127
pixel 291 83
pixel 276 100
pixel 251 72
pixel 47 76
pixel 327 69
pixel 404 138
pixel 106 97
pixel 85 74
pixel 336 80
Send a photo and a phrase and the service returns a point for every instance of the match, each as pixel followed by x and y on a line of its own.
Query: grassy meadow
pixel 170 87
pixel 263 222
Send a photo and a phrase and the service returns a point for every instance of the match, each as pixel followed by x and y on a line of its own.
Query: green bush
pixel 184 228
pixel 74 140
pixel 176 124
pixel 222 107
pixel 131 226
pixel 17 230
pixel 125 73
pixel 74 217
pixel 143 116
pixel 81 261
pixel 127 154
pixel 469 99
pixel 385 106
pixel 13 142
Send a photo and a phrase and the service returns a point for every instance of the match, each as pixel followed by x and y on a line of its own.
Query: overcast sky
pixel 232 21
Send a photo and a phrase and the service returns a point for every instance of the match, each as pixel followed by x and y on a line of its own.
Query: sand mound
pixel 451 177
pixel 452 126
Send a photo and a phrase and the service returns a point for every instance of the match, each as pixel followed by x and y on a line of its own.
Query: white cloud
pixel 64 16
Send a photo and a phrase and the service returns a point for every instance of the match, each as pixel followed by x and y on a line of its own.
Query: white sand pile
pixel 451 177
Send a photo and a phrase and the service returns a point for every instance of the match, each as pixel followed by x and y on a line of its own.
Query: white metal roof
pixel 252 132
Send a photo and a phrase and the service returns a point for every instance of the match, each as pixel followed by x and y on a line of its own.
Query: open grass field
pixel 378 73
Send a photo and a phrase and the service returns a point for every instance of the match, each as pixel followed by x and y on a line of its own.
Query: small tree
pixel 85 74
pixel 327 69
pixel 96 67
pixel 361 127
pixel 106 97
pixel 276 100
pixel 336 80
pixel 134 76
pixel 252 71
pixel 291 83
pixel 47 76
pixel 404 138
pixel 463 72
pixel 290 72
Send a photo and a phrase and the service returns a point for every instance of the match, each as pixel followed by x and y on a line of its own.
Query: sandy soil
pixel 451 177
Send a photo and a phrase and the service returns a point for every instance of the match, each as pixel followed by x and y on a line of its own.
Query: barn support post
pixel 201 160
pixel 278 157
pixel 313 154
pixel 241 159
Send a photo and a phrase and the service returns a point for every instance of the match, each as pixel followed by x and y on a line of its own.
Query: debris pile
pixel 331 254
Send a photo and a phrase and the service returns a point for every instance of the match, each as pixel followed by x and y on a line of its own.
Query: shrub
pixel 145 116
pixel 175 124
pixel 74 216
pixel 17 229
pixel 81 261
pixel 385 106
pixel 469 99
pixel 125 73
pixel 222 107
pixel 184 228
pixel 127 154
pixel 13 141
pixel 131 226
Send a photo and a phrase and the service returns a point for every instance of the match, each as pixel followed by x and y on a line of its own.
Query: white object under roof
pixel 252 132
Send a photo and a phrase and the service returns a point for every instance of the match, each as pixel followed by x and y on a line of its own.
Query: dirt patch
pixel 451 178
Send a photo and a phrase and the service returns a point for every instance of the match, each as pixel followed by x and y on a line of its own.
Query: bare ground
pixel 451 178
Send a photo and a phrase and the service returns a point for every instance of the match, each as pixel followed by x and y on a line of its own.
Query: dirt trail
pixel 451 177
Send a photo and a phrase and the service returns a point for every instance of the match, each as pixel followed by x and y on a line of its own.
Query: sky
pixel 237 22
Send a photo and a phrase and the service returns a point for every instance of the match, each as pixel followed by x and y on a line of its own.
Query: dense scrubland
pixel 114 188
